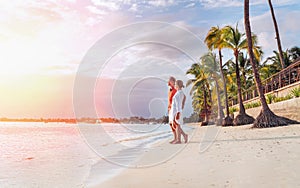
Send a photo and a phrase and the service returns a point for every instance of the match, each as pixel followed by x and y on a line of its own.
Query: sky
pixel 79 58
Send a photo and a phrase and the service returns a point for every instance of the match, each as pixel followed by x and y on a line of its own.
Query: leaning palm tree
pixel 214 40
pixel 200 90
pixel 277 35
pixel 237 42
pixel 209 65
pixel 266 118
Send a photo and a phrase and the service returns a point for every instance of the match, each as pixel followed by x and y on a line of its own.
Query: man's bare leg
pixel 174 133
pixel 179 133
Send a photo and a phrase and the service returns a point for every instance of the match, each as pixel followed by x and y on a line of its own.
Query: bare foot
pixel 172 142
pixel 177 142
pixel 185 138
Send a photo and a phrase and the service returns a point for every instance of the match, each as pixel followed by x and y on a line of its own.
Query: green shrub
pixel 233 109
pixel 289 96
pixel 279 99
pixel 270 98
pixel 247 106
pixel 256 104
pixel 252 105
pixel 295 92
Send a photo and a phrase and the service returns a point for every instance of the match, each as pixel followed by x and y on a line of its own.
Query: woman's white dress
pixel 176 107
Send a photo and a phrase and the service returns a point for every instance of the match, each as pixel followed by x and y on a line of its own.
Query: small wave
pixel 142 137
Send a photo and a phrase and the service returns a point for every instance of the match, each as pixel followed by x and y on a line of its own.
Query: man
pixel 171 93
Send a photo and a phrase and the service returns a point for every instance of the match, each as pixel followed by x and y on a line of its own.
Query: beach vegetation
pixel 295 92
pixel 270 98
pixel 252 105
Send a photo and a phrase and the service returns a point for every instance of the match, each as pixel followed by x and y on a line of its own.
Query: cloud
pixel 262 25
pixel 110 5
pixel 52 37
pixel 190 5
pixel 220 3
pixel 144 60
pixel 142 49
pixel 134 7
pixel 48 33
pixel 96 10
pixel 275 2
pixel 239 3
pixel 162 3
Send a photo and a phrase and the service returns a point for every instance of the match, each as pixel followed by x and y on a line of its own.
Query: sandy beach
pixel 234 157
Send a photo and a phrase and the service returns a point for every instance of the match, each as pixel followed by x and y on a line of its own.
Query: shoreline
pixel 129 157
pixel 224 157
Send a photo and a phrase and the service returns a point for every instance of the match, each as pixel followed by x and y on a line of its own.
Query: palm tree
pixel 237 42
pixel 214 40
pixel 266 71
pixel 210 65
pixel 266 118
pixel 245 69
pixel 200 91
pixel 202 103
pixel 277 35
pixel 276 62
pixel 230 76
pixel 294 53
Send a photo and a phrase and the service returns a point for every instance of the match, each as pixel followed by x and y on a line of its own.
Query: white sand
pixel 237 157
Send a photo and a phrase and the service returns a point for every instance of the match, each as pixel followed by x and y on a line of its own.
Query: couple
pixel 175 107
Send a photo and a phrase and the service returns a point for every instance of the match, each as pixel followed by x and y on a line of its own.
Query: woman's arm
pixel 183 101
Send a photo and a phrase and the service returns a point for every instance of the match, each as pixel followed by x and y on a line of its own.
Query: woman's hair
pixel 179 83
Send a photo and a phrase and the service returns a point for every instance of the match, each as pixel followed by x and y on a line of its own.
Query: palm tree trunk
pixel 228 121
pixel 277 35
pixel 244 79
pixel 242 118
pixel 220 110
pixel 266 118
pixel 238 82
pixel 206 119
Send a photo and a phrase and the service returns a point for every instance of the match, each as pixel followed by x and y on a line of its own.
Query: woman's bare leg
pixel 179 133
pixel 185 136
pixel 178 141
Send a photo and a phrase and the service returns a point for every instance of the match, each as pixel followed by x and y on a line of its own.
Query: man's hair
pixel 172 79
